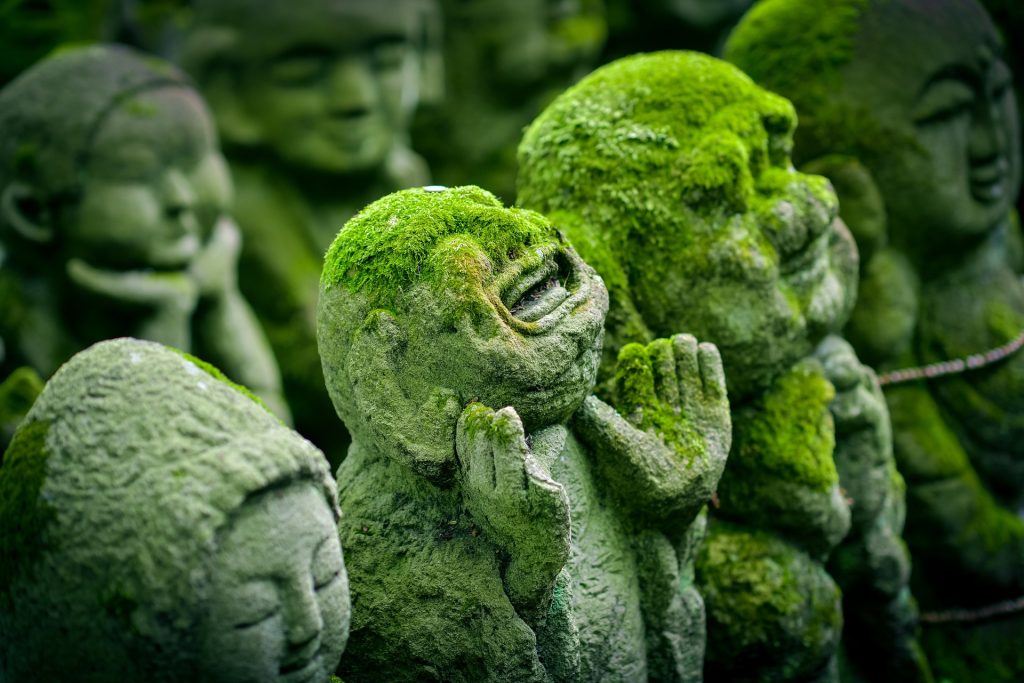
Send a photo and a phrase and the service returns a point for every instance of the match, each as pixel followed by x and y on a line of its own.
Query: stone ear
pixel 861 204
pixel 22 208
pixel 414 425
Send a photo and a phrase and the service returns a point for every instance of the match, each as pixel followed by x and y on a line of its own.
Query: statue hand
pixel 663 446
pixel 215 268
pixel 513 498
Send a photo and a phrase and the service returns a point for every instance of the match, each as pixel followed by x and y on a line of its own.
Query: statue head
pixel 671 174
pixel 158 524
pixel 328 89
pixel 110 156
pixel 917 90
pixel 432 298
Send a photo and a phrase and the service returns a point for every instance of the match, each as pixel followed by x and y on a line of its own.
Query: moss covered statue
pixel 503 61
pixel 313 106
pixel 157 524
pixel 671 174
pixel 113 200
pixel 910 110
pixel 502 523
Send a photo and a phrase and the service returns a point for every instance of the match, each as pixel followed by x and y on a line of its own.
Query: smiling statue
pixel 671 173
pixel 114 220
pixel 157 524
pixel 314 107
pixel 909 108
pixel 501 523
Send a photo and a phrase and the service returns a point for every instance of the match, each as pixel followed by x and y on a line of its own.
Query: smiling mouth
pixel 301 671
pixel 538 299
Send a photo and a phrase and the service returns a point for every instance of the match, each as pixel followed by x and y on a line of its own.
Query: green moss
pixel 989 651
pixel 1003 321
pixel 635 396
pixel 215 373
pixel 17 394
pixel 798 48
pixel 788 431
pixel 413 236
pixel 23 514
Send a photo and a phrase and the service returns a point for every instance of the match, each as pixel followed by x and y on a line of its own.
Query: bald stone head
pixel 671 174
pixel 158 524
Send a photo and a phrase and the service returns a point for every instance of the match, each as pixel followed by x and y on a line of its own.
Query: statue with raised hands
pixel 910 110
pixel 158 524
pixel 113 219
pixel 501 522
pixel 671 173
pixel 314 108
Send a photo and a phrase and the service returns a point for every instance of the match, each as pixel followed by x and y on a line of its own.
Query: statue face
pixel 153 184
pixel 764 281
pixel 278 607
pixel 333 89
pixel 934 75
pixel 533 338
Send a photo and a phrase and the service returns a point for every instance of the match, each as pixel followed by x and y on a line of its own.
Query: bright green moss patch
pixel 636 396
pixel 392 243
pixel 215 373
pixel 788 431
pixel 23 515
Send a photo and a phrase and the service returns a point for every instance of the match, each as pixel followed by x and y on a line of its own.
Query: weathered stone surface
pixel 314 108
pixel 671 174
pixel 113 218
pixel 157 524
pixel 909 107
pixel 501 523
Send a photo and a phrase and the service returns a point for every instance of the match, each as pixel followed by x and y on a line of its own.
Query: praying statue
pixel 671 174
pixel 501 522
pixel 114 221
pixel 158 524
pixel 314 108
pixel 910 110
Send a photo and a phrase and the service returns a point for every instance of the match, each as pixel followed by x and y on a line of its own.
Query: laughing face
pixel 528 332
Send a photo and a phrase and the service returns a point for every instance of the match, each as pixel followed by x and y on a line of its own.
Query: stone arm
pixel 518 506
pixel 225 329
pixel 663 447
pixel 872 564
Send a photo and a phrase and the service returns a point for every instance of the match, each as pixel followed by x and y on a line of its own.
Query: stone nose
pixel 988 136
pixel 352 86
pixel 302 619
pixel 179 201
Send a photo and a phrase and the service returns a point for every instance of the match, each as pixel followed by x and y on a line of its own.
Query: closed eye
pixel 249 623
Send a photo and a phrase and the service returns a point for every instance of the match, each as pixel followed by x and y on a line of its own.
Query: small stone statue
pixel 157 524
pixel 503 60
pixel 911 111
pixel 314 108
pixel 671 173
pixel 113 200
pixel 502 523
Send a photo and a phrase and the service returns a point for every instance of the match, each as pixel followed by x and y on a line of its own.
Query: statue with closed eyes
pixel 909 108
pixel 158 524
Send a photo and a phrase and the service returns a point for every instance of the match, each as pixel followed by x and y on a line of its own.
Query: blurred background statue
pixel 113 219
pixel 504 60
pixel 908 106
pixel 157 524
pixel 648 25
pixel 313 107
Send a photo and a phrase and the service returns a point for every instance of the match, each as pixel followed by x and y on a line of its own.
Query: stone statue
pixel 671 174
pixel 157 524
pixel 502 523
pixel 313 107
pixel 910 110
pixel 113 200
pixel 504 60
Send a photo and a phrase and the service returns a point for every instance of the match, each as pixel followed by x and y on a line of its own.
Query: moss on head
pixel 215 373
pixel 23 513
pixel 391 244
